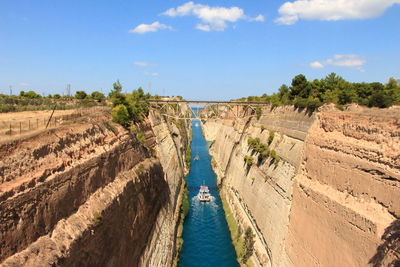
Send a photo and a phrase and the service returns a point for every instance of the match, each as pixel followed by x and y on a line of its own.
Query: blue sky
pixel 200 50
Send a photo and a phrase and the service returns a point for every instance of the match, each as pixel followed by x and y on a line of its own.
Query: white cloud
pixel 259 18
pixel 291 12
pixel 155 26
pixel 153 74
pixel 212 18
pixel 349 61
pixel 143 64
pixel 203 27
pixel 316 65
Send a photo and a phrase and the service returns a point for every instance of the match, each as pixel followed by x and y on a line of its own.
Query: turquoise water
pixel 207 241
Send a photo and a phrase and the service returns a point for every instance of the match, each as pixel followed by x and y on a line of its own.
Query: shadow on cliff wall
pixel 387 254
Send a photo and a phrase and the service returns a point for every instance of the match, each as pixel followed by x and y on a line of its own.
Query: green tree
pixel 98 96
pixel 80 95
pixel 393 89
pixel 139 105
pixel 30 95
pixel 120 115
pixel 380 99
pixel 299 87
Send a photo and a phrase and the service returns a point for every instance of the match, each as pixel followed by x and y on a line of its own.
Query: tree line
pixel 333 89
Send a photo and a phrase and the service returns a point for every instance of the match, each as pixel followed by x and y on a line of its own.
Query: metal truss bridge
pixel 204 109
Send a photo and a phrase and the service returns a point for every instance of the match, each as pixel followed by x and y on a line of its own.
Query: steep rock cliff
pixel 91 194
pixel 330 197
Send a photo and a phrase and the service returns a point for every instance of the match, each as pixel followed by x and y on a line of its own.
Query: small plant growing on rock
pixel 271 137
pixel 133 128
pixel 248 160
pixel 140 169
pixel 141 138
pixel 275 157
pixel 97 219
pixel 262 127
pixel 258 112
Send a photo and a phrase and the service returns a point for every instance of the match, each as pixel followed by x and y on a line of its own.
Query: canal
pixel 206 236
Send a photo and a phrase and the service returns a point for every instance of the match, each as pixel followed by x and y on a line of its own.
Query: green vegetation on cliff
pixel 184 210
pixel 238 241
pixel 128 108
pixel 332 89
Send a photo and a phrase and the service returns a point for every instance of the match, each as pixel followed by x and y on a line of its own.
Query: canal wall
pixel 92 194
pixel 329 197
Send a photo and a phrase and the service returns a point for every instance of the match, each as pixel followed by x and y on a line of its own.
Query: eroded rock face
pixel 91 195
pixel 347 192
pixel 331 197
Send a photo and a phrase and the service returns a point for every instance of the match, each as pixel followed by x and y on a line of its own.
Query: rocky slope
pixel 331 195
pixel 91 194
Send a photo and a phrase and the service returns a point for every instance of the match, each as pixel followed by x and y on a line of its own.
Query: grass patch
pixel 236 233
pixel 188 155
pixel 184 210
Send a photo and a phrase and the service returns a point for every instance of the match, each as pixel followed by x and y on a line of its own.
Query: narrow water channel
pixel 206 236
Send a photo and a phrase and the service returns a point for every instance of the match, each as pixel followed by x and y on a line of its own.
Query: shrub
pixel 275 157
pixel 253 142
pixel 141 137
pixel 97 219
pixel 258 112
pixel 7 108
pixel 271 137
pixel 248 160
pixel 120 115
pixel 248 245
pixel 98 96
pixel 30 94
pixel 262 127
pixel 80 95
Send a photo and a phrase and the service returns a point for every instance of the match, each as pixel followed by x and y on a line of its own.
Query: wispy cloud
pixel 154 27
pixel 340 60
pixel 259 18
pixel 143 64
pixel 331 10
pixel 24 84
pixel 153 74
pixel 212 18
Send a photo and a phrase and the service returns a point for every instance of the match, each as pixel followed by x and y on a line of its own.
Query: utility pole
pixel 10 90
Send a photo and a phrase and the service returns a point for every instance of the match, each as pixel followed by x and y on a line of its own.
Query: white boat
pixel 204 194
pixel 197 157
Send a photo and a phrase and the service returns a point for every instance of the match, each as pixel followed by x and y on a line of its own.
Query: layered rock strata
pixel 329 198
pixel 91 194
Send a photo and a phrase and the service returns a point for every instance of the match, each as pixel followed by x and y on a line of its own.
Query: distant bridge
pixel 207 109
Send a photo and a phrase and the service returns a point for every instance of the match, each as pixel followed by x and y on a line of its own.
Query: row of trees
pixel 78 95
pixel 333 89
